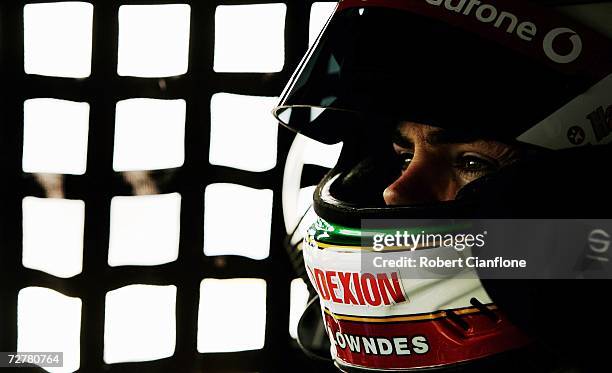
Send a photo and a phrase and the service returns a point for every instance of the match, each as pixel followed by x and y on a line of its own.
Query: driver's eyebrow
pixel 398 138
pixel 438 136
pixel 449 136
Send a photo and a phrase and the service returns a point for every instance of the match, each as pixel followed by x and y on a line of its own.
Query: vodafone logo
pixel 514 24
pixel 549 49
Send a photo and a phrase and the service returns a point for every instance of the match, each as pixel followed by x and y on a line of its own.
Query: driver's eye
pixel 404 159
pixel 472 164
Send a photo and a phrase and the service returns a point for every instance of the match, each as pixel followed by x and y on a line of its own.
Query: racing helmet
pixel 516 72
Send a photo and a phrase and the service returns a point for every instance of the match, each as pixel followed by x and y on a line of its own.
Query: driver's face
pixel 437 163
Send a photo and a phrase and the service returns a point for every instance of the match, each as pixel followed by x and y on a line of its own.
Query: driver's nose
pixel 426 179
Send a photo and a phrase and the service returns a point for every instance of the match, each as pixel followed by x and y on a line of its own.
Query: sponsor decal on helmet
pixel 599 243
pixel 549 48
pixel 359 288
pixel 576 135
pixel 587 119
pixel 525 30
pixel 380 345
pixel 601 120
pixel 488 13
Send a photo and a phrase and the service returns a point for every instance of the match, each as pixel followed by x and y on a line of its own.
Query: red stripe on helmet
pixel 420 344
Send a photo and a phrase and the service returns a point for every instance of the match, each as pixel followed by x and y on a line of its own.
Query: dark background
pixel 102 89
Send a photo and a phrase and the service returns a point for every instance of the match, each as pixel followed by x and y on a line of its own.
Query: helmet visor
pixel 398 65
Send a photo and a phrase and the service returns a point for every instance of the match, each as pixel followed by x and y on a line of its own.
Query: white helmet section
pixel 587 119
pixel 296 199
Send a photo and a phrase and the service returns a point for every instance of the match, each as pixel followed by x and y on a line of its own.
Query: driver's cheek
pixel 428 178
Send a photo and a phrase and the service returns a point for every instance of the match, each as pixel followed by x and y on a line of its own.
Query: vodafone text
pixel 358 288
pixel 486 13
pixel 525 30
